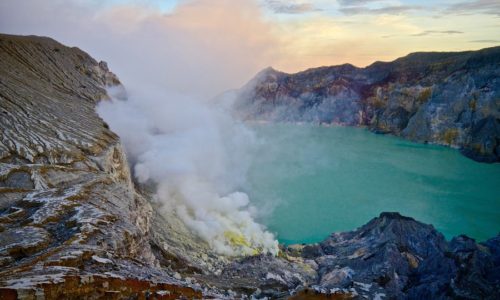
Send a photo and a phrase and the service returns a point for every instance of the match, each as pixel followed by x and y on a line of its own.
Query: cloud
pixel 388 10
pixel 247 36
pixel 203 46
pixel 478 6
pixel 280 7
pixel 355 2
pixel 363 7
pixel 485 41
pixel 432 32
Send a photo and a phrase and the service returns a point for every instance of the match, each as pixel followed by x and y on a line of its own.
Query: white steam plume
pixel 198 157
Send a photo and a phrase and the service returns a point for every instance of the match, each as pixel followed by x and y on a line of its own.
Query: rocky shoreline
pixel 447 98
pixel 74 224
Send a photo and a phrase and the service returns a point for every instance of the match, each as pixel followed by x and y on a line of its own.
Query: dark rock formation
pixel 74 225
pixel 445 98
pixel 401 258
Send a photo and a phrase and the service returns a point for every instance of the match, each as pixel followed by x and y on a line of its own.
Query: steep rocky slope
pixel 69 214
pixel 74 224
pixel 445 98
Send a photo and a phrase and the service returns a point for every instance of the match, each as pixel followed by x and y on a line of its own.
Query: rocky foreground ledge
pixel 74 225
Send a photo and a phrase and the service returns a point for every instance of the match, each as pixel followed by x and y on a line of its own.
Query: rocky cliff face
pixel 74 225
pixel 445 98
pixel 71 221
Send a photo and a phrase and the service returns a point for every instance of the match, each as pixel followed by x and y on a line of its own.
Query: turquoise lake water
pixel 311 181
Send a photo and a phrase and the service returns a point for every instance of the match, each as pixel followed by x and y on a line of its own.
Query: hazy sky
pixel 324 32
pixel 244 36
pixel 363 31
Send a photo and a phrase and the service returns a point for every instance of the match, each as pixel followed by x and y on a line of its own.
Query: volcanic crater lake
pixel 312 180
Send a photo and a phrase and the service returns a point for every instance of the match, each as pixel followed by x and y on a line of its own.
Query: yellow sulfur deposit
pixel 237 239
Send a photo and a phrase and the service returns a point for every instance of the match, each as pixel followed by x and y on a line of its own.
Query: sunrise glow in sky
pixel 244 36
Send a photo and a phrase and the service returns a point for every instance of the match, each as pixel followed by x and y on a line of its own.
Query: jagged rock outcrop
pixel 400 258
pixel 74 225
pixel 445 98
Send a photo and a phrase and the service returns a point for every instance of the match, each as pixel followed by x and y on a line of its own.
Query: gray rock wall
pixel 68 206
pixel 444 98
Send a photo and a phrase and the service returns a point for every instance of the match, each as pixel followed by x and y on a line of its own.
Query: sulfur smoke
pixel 172 64
pixel 197 156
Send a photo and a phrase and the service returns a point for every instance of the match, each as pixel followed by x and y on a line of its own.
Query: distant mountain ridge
pixel 449 98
